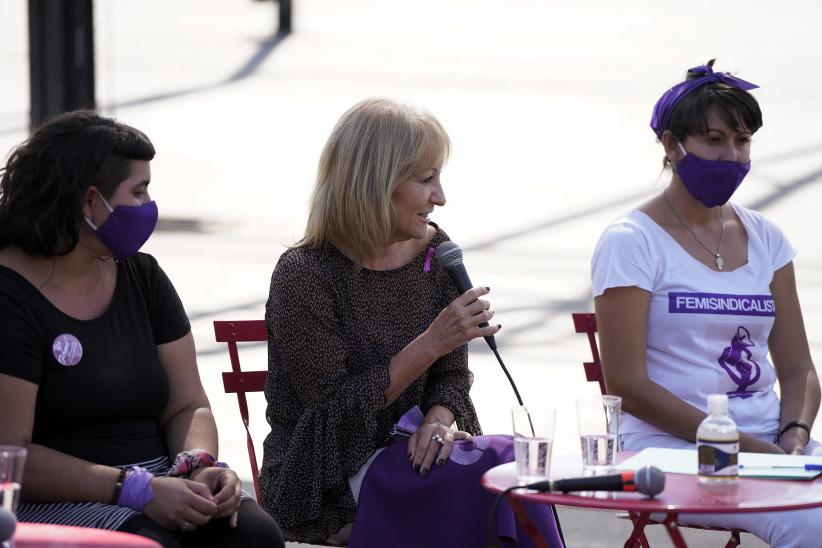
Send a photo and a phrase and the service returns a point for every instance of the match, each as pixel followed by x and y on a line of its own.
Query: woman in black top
pixel 98 376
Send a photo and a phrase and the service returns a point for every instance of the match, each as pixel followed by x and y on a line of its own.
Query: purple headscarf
pixel 671 98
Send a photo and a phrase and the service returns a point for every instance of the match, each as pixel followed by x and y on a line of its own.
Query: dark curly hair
pixel 44 182
pixel 736 107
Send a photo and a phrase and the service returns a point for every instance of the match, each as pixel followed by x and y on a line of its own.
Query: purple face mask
pixel 126 229
pixel 712 182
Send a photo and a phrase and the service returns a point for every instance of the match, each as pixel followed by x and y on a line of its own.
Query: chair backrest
pixel 586 322
pixel 239 381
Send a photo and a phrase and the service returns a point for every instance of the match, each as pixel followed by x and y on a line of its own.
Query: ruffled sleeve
pixel 448 384
pixel 307 462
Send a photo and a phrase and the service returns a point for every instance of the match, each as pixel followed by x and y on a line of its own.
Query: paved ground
pixel 547 104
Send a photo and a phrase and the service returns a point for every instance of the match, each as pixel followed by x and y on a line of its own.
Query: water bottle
pixel 717 444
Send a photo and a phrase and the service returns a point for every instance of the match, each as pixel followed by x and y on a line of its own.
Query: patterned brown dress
pixel 332 331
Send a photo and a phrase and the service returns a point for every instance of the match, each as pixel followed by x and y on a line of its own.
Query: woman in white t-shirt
pixel 692 293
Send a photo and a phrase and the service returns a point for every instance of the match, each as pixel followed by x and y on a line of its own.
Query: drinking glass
pixel 533 438
pixel 12 460
pixel 598 425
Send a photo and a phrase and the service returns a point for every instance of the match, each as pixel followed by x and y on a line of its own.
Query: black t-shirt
pixel 103 408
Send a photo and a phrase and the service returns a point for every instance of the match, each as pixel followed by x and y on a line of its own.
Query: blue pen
pixel 808 467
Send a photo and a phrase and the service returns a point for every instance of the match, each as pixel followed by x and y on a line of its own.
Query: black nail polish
pixel 487 288
pixel 439 462
pixel 424 472
pixel 416 468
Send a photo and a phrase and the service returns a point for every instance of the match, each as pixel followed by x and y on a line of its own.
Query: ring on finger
pixel 437 438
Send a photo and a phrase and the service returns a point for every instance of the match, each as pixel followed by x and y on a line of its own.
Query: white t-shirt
pixel 707 330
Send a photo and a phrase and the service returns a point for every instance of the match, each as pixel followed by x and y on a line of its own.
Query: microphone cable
pixel 449 254
pixel 513 384
pixel 489 525
pixel 533 433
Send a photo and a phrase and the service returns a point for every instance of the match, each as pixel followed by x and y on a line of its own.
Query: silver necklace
pixel 716 254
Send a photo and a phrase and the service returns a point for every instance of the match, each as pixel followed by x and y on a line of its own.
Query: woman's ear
pixel 90 200
pixel 671 144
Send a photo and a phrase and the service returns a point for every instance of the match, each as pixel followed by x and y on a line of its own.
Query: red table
pixel 40 535
pixel 682 495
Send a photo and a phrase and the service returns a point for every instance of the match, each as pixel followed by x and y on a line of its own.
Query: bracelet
pixel 187 462
pixel 137 490
pixel 798 424
pixel 118 486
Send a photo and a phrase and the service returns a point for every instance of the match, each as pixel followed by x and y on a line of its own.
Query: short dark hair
pixel 735 106
pixel 44 182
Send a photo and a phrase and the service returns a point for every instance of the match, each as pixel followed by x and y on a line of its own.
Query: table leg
pixel 638 538
pixel 530 528
pixel 673 531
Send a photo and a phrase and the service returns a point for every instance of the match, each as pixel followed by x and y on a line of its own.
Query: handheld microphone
pixel 648 480
pixel 7 525
pixel 449 255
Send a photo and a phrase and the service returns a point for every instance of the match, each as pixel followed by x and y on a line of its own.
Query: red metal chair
pixel 586 322
pixel 238 381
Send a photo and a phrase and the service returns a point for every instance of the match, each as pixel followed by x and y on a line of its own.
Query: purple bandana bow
pixel 671 98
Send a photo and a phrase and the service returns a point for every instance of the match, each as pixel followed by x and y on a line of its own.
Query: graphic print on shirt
pixel 720 304
pixel 738 363
pixel 737 358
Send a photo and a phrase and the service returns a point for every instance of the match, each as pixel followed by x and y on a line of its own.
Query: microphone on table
pixel 648 480
pixel 449 255
pixel 7 525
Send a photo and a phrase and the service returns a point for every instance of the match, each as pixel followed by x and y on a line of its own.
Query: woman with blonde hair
pixel 367 354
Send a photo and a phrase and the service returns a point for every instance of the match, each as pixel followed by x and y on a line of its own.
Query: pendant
pixel 719 262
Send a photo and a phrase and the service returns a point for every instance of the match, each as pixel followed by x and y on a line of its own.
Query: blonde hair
pixel 376 145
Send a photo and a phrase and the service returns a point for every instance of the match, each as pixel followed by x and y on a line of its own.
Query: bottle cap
pixel 718 403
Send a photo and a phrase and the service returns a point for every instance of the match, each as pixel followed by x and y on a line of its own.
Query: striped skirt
pixel 98 515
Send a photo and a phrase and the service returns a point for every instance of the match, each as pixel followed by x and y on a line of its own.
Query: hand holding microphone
pixel 466 318
pixel 449 255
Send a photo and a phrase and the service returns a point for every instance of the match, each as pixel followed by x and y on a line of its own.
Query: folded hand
pixel 432 442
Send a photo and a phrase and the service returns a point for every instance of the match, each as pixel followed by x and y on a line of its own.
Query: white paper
pixel 760 465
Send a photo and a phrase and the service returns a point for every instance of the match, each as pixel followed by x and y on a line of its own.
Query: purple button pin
pixel 67 349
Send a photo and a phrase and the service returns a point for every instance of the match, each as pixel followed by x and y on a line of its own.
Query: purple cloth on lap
pixel 449 508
